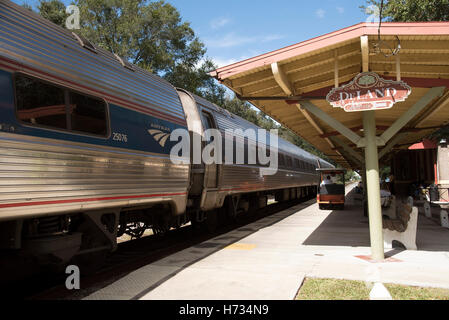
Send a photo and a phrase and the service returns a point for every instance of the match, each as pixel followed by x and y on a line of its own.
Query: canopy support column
pixel 373 186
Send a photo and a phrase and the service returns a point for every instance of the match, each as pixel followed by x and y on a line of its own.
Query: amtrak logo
pixel 160 136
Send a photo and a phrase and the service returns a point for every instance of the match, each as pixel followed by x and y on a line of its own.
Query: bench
pixel 403 228
pixel 443 213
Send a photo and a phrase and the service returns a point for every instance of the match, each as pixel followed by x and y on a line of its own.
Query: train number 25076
pixel 119 137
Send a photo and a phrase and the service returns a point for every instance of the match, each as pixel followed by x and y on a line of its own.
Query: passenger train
pixel 85 148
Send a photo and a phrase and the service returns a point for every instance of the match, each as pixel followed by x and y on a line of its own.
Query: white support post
pixel 372 170
pixel 373 186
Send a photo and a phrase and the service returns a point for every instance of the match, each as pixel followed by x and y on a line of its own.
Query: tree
pixel 53 10
pixel 150 34
pixel 413 10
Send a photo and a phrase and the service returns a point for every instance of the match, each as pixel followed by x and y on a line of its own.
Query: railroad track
pixel 130 256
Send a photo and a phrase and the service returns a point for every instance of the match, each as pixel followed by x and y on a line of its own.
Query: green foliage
pixel 151 35
pixel 413 10
pixel 53 10
pixel 351 176
pixel 385 172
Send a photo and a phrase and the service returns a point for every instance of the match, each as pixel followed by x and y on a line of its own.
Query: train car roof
pixel 284 145
pixel 36 46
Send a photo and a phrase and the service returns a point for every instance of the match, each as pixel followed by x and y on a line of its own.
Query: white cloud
pixel 320 13
pixel 220 62
pixel 340 10
pixel 233 40
pixel 219 22
pixel 271 37
pixel 230 40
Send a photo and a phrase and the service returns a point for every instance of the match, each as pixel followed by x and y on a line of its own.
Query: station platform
pixel 269 259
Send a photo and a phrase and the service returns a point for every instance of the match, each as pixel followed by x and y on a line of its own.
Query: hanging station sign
pixel 368 91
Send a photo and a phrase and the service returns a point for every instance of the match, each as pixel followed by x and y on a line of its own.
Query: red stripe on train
pixel 39 203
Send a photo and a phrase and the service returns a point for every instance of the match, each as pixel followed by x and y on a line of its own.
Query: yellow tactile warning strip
pixel 241 246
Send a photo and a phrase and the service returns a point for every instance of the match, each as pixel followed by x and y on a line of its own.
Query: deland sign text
pixel 368 91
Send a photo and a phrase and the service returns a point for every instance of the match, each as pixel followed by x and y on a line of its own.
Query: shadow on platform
pixel 350 227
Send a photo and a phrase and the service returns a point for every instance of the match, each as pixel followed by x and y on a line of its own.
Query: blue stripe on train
pixel 129 129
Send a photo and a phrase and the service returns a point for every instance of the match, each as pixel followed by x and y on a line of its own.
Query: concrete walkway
pixel 269 259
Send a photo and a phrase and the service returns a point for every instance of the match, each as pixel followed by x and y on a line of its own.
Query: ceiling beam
pixel 365 53
pixel 281 79
pixel 411 113
pixel 418 69
pixel 284 83
pixel 336 78
pixel 320 114
pixel 443 102
pixel 410 128
pixel 415 59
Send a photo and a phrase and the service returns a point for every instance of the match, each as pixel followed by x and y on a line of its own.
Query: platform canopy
pixel 307 71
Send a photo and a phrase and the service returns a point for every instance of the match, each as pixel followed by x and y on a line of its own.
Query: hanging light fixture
pixel 380 44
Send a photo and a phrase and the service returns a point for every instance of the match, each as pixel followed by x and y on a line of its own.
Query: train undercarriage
pixel 87 238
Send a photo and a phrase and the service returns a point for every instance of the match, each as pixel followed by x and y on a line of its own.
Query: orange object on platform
pixel 425 144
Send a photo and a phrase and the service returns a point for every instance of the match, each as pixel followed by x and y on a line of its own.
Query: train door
pixel 211 170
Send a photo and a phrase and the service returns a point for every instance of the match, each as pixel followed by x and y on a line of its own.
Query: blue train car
pixel 76 126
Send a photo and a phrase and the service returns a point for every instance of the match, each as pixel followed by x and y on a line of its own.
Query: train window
pixel 43 104
pixel 288 162
pixel 281 160
pixel 40 103
pixel 87 114
pixel 208 122
pixel 296 163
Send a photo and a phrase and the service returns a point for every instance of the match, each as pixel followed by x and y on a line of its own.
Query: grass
pixel 334 289
pixel 399 292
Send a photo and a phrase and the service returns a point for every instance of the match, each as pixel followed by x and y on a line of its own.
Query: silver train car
pixel 85 148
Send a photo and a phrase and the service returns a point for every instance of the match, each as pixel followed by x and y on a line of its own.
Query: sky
pixel 234 30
